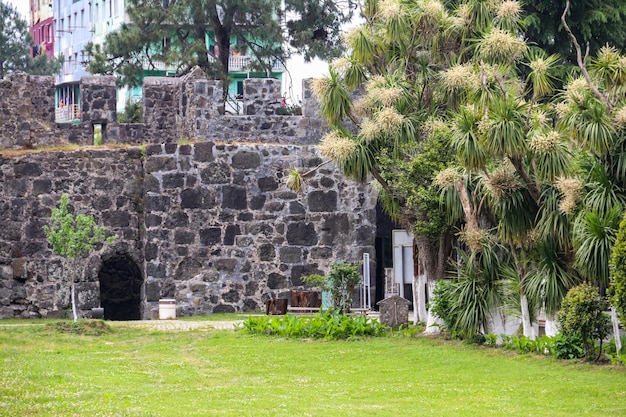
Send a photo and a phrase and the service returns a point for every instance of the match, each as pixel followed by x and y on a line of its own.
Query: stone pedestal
pixel 394 311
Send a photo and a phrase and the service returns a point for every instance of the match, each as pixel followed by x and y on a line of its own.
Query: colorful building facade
pixel 42 28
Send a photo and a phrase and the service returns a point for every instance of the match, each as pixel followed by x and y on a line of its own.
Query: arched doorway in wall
pixel 120 288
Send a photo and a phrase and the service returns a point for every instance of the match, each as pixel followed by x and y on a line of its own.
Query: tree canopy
pixel 598 22
pixel 532 176
pixel 183 34
pixel 15 43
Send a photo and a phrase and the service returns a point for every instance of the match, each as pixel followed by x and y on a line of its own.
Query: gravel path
pixel 175 325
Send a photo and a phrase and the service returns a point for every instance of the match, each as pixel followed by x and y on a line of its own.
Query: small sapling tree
pixel 341 281
pixel 73 236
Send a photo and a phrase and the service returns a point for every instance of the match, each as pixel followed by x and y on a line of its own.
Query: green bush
pixel 582 316
pixel 327 324
pixel 617 268
pixel 341 281
pixel 568 347
pixel 133 112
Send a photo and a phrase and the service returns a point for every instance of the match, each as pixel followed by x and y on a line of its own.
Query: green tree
pixel 15 42
pixel 340 282
pixel 73 236
pixel 176 33
pixel 597 22
pixel 582 315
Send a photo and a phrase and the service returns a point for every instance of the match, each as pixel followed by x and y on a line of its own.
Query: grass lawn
pixel 137 372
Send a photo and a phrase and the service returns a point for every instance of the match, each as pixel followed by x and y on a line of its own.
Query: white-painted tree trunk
pixel 616 334
pixel 529 330
pixel 551 327
pixel 420 313
pixel 73 295
pixel 433 323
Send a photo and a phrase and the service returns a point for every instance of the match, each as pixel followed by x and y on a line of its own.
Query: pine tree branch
pixel 582 61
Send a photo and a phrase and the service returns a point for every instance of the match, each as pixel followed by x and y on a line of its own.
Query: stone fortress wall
pixel 207 220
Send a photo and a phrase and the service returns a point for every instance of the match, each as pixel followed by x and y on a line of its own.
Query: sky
pixel 292 80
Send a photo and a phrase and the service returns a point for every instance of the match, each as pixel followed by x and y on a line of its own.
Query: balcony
pixel 67 114
pixel 242 63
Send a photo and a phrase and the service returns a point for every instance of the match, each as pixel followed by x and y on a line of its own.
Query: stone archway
pixel 120 288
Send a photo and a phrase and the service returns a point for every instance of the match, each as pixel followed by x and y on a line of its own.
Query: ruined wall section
pixel 189 107
pixel 224 233
pixel 26 111
pixel 105 183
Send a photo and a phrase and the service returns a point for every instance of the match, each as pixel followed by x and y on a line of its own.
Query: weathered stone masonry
pixel 209 223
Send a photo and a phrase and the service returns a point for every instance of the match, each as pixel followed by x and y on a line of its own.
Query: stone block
pixel 232 230
pixel 301 234
pixel 234 197
pixel 267 184
pixel 322 201
pixel 211 236
pixel 266 252
pixel 290 255
pixel 246 160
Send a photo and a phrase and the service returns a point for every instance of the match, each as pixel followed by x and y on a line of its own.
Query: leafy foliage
pixel 582 315
pixel 133 112
pixel 617 290
pixel 598 22
pixel 179 33
pixel 15 42
pixel 341 281
pixel 329 324
pixel 73 236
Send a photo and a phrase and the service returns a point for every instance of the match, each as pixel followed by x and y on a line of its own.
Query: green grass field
pixel 137 372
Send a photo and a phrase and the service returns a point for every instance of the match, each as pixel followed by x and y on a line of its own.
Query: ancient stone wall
pixel 212 225
pixel 26 111
pixel 188 108
pixel 224 233
pixel 105 183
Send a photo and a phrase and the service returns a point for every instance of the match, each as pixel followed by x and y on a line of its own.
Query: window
pixel 82 17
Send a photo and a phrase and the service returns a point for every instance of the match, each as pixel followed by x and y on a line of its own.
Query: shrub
pixel 581 316
pixel 341 281
pixel 133 112
pixel 329 324
pixel 617 268
pixel 567 347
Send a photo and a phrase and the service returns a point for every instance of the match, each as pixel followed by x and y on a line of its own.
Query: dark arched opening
pixel 384 250
pixel 120 289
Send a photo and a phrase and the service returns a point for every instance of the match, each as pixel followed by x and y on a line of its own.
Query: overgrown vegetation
pixel 341 282
pixel 582 316
pixel 133 112
pixel 329 324
pixel 83 327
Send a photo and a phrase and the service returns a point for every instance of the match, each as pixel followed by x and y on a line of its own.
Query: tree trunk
pixel 616 333
pixel 73 295
pixel 529 330
pixel 73 288
pixel 471 220
pixel 222 31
